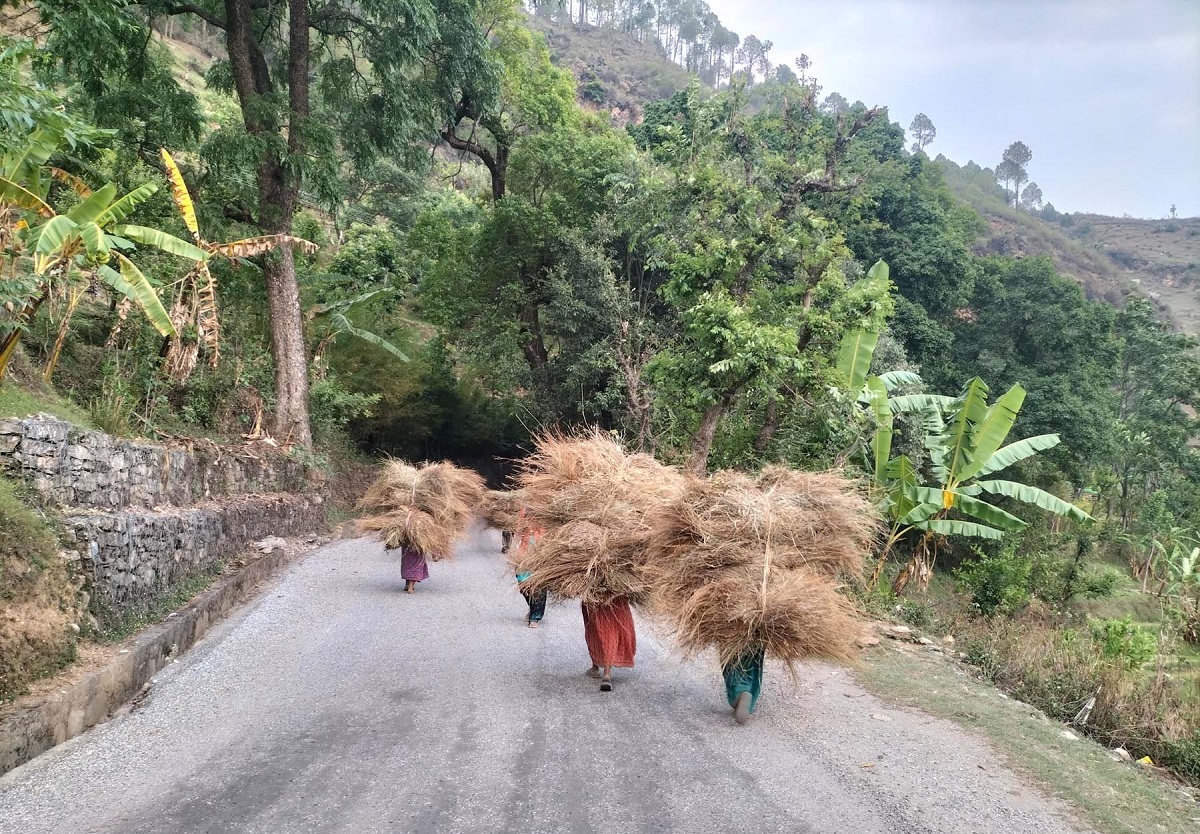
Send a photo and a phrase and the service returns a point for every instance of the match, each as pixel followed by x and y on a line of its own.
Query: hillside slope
pixel 1110 256
pixel 617 73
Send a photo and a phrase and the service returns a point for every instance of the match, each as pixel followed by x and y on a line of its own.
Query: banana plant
pixel 83 244
pixel 966 440
pixel 195 303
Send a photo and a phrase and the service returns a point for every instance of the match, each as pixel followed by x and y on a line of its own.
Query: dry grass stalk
pixel 796 614
pixel 426 507
pixel 742 562
pixel 809 519
pixel 412 528
pixel 596 504
pixel 501 508
pixel 582 560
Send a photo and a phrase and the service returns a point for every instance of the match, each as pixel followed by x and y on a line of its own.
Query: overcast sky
pixel 1105 92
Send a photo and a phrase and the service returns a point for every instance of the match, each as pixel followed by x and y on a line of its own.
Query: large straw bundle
pixel 741 563
pixel 411 528
pixel 811 519
pixel 501 508
pixel 426 508
pixel 596 505
pixel 795 615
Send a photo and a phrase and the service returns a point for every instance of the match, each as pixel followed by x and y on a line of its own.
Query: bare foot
pixel 534 624
pixel 741 709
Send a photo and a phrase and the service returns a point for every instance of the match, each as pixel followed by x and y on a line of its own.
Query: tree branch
pixel 202 13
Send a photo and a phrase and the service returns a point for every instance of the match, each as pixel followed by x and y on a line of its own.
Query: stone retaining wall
pixel 133 557
pixel 72 467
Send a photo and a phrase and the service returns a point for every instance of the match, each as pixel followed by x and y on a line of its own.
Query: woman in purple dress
pixel 413 568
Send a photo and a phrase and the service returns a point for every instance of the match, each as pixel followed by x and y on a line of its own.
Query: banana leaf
pixel 894 379
pixel 344 324
pixel 17 195
pixel 969 412
pixel 906 403
pixel 161 240
pixel 881 440
pixel 132 284
pixel 91 208
pixel 1037 497
pixel 53 234
pixel 991 433
pixel 854 357
pixel 183 198
pixel 953 527
pixel 124 207
pixel 1017 451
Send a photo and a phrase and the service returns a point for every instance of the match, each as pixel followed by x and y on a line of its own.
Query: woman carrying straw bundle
pixel 420 511
pixel 751 566
pixel 595 501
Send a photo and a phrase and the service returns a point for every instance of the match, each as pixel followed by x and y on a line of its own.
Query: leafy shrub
pixel 1183 757
pixel 593 91
pixel 1100 584
pixel 980 655
pixel 998 583
pixel 307 226
pixel 1125 641
pixel 916 612
pixel 332 406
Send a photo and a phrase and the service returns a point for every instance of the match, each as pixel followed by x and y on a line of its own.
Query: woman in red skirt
pixel 611 641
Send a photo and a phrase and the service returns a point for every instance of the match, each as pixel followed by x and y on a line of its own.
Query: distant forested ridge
pixel 687 32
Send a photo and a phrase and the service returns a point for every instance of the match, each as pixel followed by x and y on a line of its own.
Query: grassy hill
pixel 617 73
pixel 1110 256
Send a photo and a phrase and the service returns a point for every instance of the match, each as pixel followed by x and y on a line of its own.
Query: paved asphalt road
pixel 336 703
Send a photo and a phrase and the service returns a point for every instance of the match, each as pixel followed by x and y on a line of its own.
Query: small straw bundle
pixel 501 509
pixel 741 563
pixel 596 504
pixel 426 508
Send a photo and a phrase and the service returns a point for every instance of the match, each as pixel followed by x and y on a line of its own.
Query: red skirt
pixel 608 630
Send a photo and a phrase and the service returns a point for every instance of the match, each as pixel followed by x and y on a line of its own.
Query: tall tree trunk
pixel 702 440
pixel 770 425
pixel 278 190
pixel 533 344
pixel 287 347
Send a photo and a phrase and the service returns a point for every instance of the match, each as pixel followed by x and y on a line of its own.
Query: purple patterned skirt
pixel 413 566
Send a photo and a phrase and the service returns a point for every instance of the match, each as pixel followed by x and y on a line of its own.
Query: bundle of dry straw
pixel 745 562
pixel 596 504
pixel 426 508
pixel 501 509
